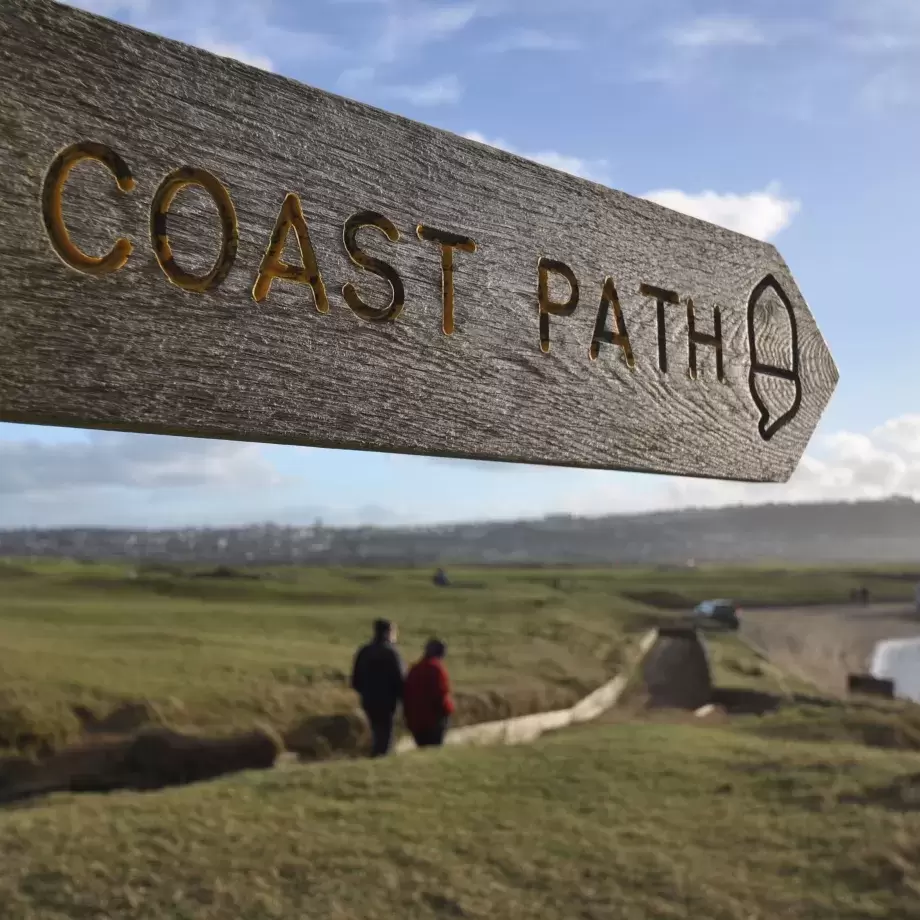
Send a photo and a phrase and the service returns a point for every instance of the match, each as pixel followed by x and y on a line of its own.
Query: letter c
pixel 53 211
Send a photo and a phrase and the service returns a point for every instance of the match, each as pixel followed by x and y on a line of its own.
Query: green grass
pixel 877 723
pixel 794 816
pixel 630 821
pixel 222 653
pixel 735 664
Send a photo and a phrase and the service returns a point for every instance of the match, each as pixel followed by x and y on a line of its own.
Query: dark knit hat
pixel 435 648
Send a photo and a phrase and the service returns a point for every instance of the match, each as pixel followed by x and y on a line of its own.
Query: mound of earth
pixel 152 759
pixel 123 720
pixel 319 737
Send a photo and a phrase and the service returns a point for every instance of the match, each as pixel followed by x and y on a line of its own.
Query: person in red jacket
pixel 427 703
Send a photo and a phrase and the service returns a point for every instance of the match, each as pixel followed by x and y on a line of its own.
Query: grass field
pixel 630 822
pixel 634 818
pixel 220 653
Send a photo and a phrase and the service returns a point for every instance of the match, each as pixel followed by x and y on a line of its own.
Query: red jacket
pixel 426 696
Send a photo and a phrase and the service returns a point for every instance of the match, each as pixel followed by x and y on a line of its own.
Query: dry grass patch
pixel 628 821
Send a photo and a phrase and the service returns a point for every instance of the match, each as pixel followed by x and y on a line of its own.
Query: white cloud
pixel 759 214
pixel 439 91
pixel 106 459
pixel 718 31
pixel 236 52
pixel 532 40
pixel 577 166
pixel 239 29
pixel 901 435
pixel 877 42
pixel 355 79
pixel 892 88
pixel 878 26
pixel 881 38
pixel 851 465
pixel 849 50
pixel 407 28
pixel 411 25
pixel 845 466
pixel 692 51
pixel 561 161
pixel 107 478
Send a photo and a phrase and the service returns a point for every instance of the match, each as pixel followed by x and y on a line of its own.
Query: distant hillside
pixel 858 532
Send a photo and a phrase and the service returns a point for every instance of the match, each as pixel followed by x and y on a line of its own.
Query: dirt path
pixel 824 644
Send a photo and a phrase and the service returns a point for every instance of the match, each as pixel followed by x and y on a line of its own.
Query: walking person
pixel 377 676
pixel 427 702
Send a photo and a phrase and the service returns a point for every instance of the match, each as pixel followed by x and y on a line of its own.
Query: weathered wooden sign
pixel 192 246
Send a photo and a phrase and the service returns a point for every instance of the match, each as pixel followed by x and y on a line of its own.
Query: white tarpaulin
pixel 899 660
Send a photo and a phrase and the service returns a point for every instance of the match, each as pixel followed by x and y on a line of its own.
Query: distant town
pixel 867 532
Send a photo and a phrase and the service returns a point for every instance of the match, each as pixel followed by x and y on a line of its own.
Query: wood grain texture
pixel 129 350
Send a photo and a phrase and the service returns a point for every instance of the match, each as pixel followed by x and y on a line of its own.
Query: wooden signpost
pixel 192 246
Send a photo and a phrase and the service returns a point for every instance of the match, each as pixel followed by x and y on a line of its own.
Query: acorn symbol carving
pixel 761 298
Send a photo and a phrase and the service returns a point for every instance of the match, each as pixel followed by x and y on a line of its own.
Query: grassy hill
pixel 797 814
pixel 633 821
pixel 218 653
pixel 275 645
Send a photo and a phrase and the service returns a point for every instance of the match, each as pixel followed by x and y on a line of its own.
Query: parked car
pixel 719 613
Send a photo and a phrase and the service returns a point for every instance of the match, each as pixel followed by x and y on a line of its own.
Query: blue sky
pixel 797 122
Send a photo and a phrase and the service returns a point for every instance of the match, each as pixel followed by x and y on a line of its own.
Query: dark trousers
pixel 381 723
pixel 432 737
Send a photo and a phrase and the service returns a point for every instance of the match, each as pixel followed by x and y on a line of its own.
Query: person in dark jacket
pixel 427 702
pixel 377 676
